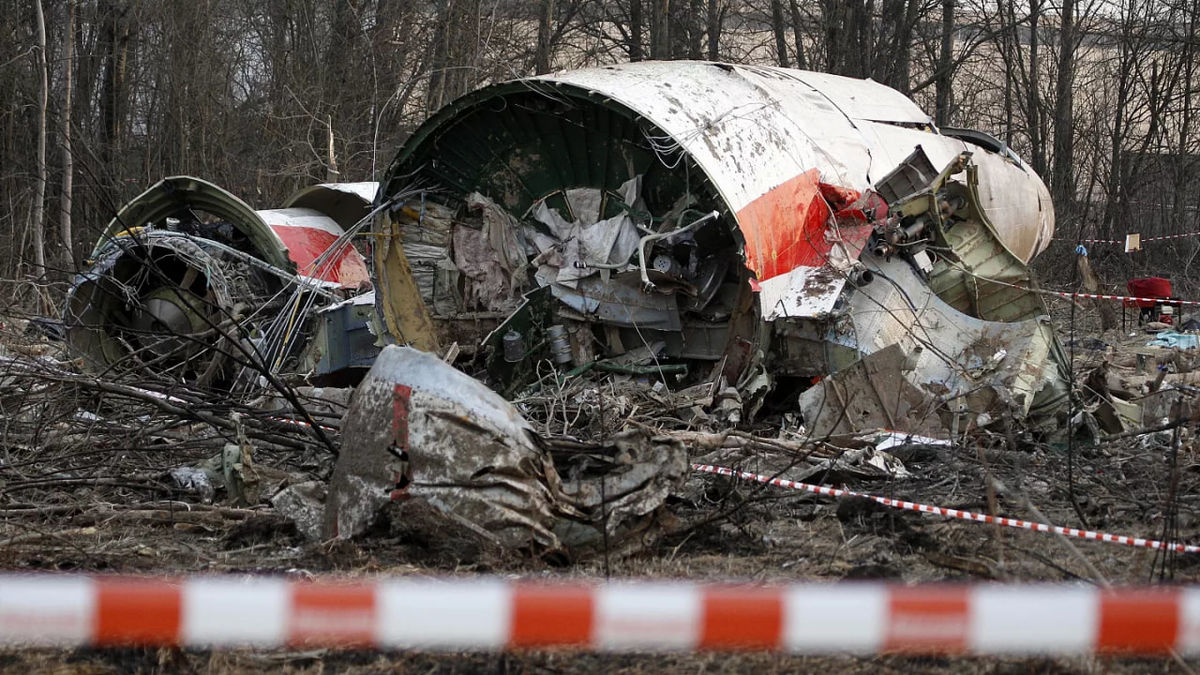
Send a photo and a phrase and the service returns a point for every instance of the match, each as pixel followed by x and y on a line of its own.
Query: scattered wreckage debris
pixel 422 434
pixel 189 282
pixel 637 281
pixel 669 222
pixel 430 447
pixel 766 228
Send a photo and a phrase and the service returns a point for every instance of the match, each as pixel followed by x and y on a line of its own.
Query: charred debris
pixel 601 276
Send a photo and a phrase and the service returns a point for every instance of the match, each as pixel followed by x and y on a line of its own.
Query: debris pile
pixel 583 286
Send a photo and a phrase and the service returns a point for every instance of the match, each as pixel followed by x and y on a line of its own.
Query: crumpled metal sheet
pixel 964 363
pixel 463 447
pixel 871 394
pixel 418 429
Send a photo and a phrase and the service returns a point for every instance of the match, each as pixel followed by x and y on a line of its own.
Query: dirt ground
pixel 100 503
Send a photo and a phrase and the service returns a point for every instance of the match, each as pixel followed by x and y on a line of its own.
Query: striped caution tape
pixel 495 614
pixel 1143 240
pixel 1096 296
pixel 1103 296
pixel 952 513
pixel 1091 241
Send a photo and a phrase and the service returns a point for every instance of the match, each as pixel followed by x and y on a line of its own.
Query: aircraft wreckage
pixel 701 221
pixel 752 229
pixel 690 221
pixel 188 281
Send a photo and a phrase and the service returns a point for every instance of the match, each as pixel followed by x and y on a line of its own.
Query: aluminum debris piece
pixel 419 430
pixel 871 394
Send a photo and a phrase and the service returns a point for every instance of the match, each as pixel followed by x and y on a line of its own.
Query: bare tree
pixel 636 21
pixel 545 18
pixel 695 29
pixel 38 224
pixel 68 161
pixel 1062 180
pixel 714 17
pixel 779 28
pixel 798 34
pixel 945 73
pixel 660 29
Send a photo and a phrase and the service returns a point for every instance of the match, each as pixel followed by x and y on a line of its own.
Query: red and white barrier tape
pixel 1090 241
pixel 1143 240
pixel 494 614
pixel 1096 296
pixel 952 513
pixel 1102 296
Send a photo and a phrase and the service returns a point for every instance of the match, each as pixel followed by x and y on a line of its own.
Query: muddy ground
pixel 99 502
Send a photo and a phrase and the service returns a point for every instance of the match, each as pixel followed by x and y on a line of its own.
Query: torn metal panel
pixel 972 345
pixel 175 194
pixel 420 430
pixel 871 394
pixel 307 235
pixel 187 279
pixel 346 203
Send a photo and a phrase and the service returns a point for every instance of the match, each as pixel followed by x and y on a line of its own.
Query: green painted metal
pixel 518 145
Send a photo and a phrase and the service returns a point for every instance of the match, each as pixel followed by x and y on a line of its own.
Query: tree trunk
pixel 437 58
pixel 660 29
pixel 541 61
pixel 68 162
pixel 38 226
pixel 636 53
pixel 1037 150
pixel 112 102
pixel 1062 178
pixel 695 29
pixel 798 35
pixel 780 30
pixel 1186 169
pixel 715 10
pixel 1117 162
pixel 943 80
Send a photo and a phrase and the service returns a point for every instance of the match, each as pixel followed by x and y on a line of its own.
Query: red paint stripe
pixel 341 614
pixel 742 618
pixel 551 616
pixel 786 227
pixel 401 395
pixel 137 611
pixel 927 620
pixel 1140 621
pixel 306 244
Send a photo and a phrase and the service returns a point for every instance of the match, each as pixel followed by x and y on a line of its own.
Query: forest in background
pixel 105 97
